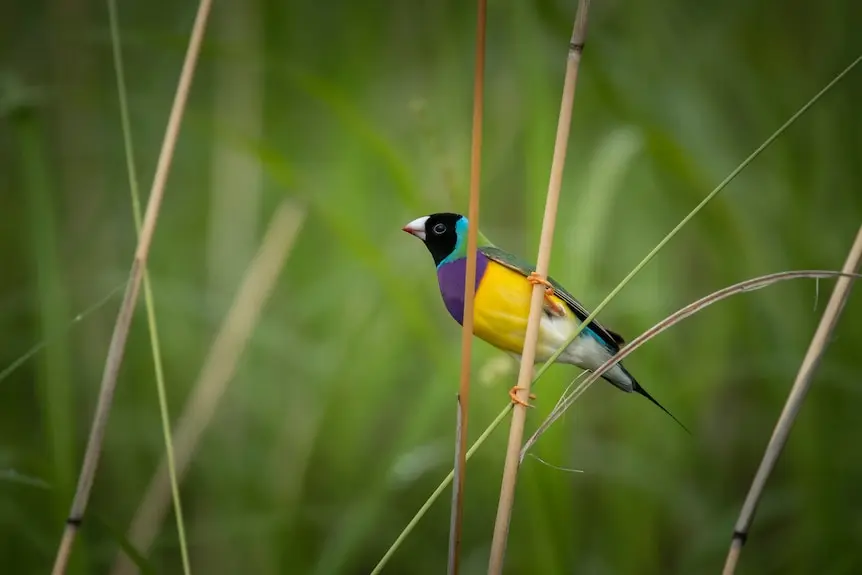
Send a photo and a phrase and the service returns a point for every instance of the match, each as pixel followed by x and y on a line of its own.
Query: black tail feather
pixel 638 389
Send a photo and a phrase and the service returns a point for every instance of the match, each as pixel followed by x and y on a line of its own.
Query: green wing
pixel 612 340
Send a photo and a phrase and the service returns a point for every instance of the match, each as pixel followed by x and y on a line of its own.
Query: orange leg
pixel 535 279
pixel 513 393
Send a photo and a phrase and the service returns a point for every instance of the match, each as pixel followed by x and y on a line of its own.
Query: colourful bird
pixel 502 303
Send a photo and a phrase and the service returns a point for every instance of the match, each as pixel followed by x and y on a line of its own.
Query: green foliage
pixel 340 419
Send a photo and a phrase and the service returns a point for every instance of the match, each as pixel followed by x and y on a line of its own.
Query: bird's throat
pixel 451 277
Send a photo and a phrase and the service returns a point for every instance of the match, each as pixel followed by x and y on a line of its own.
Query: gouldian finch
pixel 502 303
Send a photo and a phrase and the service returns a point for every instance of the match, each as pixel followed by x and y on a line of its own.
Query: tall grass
pixel 326 481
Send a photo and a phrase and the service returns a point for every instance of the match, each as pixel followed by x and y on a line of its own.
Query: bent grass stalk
pixel 793 403
pixel 723 184
pixel 686 312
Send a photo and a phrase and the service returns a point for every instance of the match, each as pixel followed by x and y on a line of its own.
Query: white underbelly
pixel 585 351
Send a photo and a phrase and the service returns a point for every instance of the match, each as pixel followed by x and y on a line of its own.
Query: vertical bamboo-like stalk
pixel 516 431
pixel 127 308
pixel 794 402
pixel 457 510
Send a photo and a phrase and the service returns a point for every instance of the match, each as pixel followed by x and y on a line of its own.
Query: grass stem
pixel 671 320
pixel 794 402
pixel 525 375
pixel 463 401
pixel 127 309
pixel 217 371
pixel 150 305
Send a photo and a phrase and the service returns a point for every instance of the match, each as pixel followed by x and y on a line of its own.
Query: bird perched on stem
pixel 501 303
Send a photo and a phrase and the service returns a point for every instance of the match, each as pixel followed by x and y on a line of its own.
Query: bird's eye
pixel 439 229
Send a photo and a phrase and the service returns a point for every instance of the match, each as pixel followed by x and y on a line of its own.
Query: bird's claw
pixel 513 393
pixel 536 279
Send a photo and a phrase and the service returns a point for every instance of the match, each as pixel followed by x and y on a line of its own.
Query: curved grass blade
pixel 793 403
pixel 673 319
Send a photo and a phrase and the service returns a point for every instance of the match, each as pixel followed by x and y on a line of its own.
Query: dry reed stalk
pixel 745 286
pixel 794 402
pixel 216 373
pixel 149 301
pixel 516 431
pixel 463 400
pixel 127 308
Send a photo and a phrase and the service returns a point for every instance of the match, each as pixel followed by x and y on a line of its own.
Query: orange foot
pixel 536 279
pixel 513 393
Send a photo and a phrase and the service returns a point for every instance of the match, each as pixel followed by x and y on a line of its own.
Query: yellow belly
pixel 500 310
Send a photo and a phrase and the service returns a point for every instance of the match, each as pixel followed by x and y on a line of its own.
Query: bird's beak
pixel 417 227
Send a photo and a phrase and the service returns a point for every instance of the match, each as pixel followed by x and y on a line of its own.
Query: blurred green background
pixel 339 419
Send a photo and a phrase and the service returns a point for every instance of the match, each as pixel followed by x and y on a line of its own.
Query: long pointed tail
pixel 638 389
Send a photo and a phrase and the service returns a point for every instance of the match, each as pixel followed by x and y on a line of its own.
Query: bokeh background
pixel 353 118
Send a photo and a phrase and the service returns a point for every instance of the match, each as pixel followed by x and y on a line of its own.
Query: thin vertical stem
pixel 794 402
pixel 469 291
pixel 457 493
pixel 516 431
pixel 127 308
pixel 148 291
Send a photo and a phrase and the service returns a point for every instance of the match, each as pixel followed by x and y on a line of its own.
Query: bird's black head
pixel 440 232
